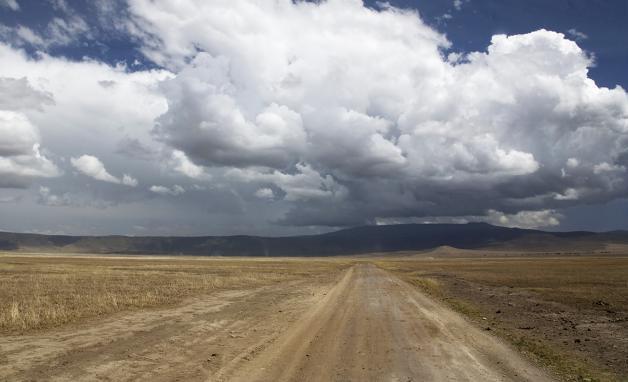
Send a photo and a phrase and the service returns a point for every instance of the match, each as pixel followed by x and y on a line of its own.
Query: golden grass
pixel 44 292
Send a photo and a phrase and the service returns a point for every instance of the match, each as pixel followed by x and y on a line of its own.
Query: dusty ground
pixel 357 324
pixel 568 313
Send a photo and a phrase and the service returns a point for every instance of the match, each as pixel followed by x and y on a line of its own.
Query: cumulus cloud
pixel 305 184
pixel 212 128
pixel 19 170
pixel 605 167
pixel 17 134
pixel 94 168
pixel 180 163
pixel 265 193
pixel 569 194
pixel 370 112
pixel 53 107
pixel 339 113
pixel 163 190
pixel 21 159
pixel 18 94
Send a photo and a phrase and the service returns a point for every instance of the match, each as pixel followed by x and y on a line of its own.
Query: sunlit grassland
pixel 39 292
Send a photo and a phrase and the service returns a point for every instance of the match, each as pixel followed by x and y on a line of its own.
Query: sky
pixel 278 117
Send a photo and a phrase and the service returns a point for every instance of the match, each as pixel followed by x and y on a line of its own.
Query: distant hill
pixel 365 239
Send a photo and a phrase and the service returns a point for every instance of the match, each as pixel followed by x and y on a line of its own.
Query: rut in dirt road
pixel 374 327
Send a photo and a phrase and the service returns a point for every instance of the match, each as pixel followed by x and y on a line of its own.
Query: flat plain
pixel 453 315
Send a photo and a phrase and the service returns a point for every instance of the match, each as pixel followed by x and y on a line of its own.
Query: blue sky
pixel 149 119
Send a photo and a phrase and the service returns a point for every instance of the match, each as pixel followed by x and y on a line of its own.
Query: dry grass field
pixel 39 292
pixel 163 318
pixel 568 313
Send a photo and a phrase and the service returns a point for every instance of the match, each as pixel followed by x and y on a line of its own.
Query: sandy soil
pixel 366 325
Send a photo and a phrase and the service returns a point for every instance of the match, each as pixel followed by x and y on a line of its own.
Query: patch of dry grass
pixel 43 292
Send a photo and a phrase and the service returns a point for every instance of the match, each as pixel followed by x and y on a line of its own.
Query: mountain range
pixel 351 241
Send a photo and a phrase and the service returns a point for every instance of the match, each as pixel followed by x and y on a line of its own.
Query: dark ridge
pixel 61 241
pixel 6 245
pixel 357 240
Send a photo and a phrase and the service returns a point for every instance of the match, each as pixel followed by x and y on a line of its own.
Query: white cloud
pixel 212 128
pixel 128 180
pixel 11 4
pixel 19 170
pixel 525 219
pixel 64 31
pixel 576 34
pixel 442 19
pixel 21 158
pixel 265 193
pixel 572 162
pixel 58 32
pixel 94 168
pixel 521 219
pixel 68 110
pixel 18 94
pixel 182 164
pixel 259 85
pixel 17 134
pixel 569 194
pixel 345 113
pixel 606 167
pixel 305 184
pixel 28 35
pixel 163 190
pixel 84 111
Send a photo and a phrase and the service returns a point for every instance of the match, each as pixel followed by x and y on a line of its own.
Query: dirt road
pixel 365 325
pixel 374 327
